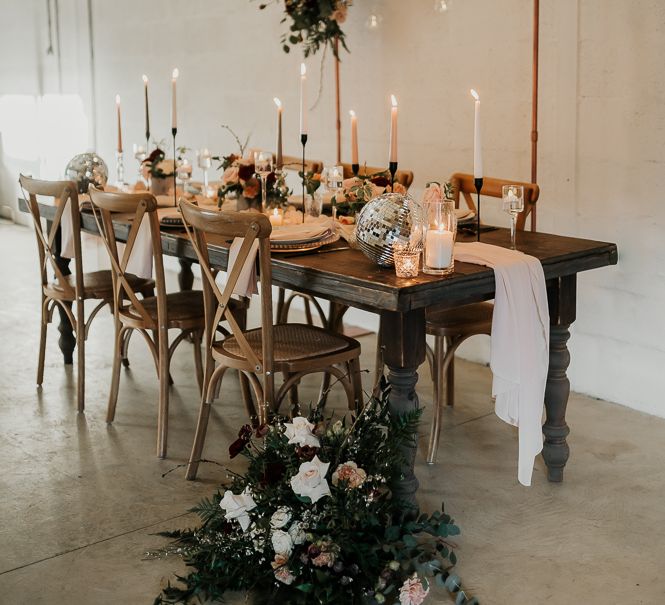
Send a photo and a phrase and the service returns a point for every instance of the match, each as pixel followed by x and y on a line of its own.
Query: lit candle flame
pixel 176 73
pixel 117 99
pixel 303 69
pixel 275 212
pixel 352 113
pixel 475 95
pixel 145 79
pixel 277 102
pixel 393 100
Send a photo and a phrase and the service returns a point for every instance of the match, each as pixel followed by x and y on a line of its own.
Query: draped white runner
pixel 519 356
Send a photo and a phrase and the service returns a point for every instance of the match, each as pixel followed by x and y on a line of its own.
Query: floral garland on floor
pixel 313 23
pixel 313 519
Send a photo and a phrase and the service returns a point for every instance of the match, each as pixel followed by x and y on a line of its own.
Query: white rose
pixel 281 542
pixel 280 518
pixel 237 506
pixel 297 533
pixel 299 431
pixel 311 480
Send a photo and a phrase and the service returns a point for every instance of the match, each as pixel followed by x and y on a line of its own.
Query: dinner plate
pixel 303 247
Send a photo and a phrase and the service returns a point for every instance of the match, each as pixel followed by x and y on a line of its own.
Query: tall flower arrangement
pixel 313 519
pixel 313 24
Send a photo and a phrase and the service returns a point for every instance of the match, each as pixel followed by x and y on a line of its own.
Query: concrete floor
pixel 80 500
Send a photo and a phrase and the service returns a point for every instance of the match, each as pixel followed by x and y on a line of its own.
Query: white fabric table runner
pixel 519 356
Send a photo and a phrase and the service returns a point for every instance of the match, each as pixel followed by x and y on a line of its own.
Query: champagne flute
pixel 205 162
pixel 263 167
pixel 140 153
pixel 184 171
pixel 335 182
pixel 513 204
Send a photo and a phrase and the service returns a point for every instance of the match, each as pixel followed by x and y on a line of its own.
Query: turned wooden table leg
pixel 561 293
pixel 67 340
pixel 185 277
pixel 404 350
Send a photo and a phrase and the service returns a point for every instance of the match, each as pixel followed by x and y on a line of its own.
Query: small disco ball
pixel 387 219
pixel 87 169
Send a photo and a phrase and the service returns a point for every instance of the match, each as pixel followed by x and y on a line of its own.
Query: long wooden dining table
pixel 348 278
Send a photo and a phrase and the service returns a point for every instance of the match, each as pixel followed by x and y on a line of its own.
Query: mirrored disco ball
pixel 85 169
pixel 387 219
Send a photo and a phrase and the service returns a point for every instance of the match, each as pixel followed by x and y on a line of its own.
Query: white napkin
pixel 246 284
pixel 520 343
pixel 140 260
pixel 464 213
pixel 308 230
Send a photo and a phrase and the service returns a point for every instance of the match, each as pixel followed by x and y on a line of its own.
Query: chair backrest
pixel 403 177
pixel 65 197
pixel 292 162
pixel 464 184
pixel 138 207
pixel 206 226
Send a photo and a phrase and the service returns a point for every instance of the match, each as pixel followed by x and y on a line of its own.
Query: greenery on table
pixel 314 520
pixel 157 165
pixel 359 190
pixel 313 24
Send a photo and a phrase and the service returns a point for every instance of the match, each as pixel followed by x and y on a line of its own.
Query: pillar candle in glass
pixel 440 233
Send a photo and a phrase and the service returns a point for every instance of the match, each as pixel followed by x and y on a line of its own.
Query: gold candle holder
pixel 407 261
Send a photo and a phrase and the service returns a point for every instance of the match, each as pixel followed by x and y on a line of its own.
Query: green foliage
pixel 356 545
pixel 313 24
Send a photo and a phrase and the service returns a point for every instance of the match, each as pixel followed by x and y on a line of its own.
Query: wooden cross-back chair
pixel 294 350
pixel 151 317
pixel 294 163
pixel 403 177
pixel 451 327
pixel 67 291
pixel 464 187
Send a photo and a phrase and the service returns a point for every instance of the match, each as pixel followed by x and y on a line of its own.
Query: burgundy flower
pixel 156 155
pixel 270 181
pixel 246 171
pixel 244 435
pixel 262 430
pixel 380 181
pixel 306 452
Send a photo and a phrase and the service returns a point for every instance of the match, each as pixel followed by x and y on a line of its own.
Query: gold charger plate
pixel 302 247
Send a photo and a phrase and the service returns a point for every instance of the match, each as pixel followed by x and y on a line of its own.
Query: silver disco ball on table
pixel 87 169
pixel 387 219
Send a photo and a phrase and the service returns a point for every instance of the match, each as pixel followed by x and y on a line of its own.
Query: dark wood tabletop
pixel 348 278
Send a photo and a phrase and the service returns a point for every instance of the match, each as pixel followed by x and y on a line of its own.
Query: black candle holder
pixel 478 182
pixel 392 167
pixel 355 168
pixel 303 140
pixel 174 131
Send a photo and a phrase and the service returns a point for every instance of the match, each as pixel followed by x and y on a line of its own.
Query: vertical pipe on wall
pixel 93 83
pixel 534 106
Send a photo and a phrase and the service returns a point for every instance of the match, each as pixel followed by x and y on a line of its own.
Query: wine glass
pixel 513 204
pixel 184 171
pixel 334 181
pixel 263 167
pixel 140 153
pixel 205 162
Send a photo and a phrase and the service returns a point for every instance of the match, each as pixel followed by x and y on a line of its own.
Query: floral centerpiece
pixel 159 171
pixel 314 520
pixel 240 181
pixel 435 192
pixel 358 190
pixel 313 24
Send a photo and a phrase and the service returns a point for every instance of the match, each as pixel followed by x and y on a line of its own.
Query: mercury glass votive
pixel 407 261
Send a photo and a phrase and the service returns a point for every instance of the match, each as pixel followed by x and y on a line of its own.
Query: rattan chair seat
pixel 292 342
pixel 96 284
pixel 182 307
